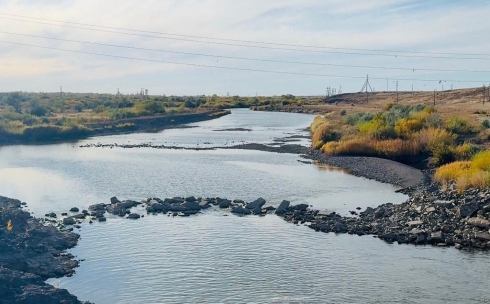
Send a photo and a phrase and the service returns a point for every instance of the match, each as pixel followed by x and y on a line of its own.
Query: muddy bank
pixel 276 148
pixel 379 169
pixel 31 253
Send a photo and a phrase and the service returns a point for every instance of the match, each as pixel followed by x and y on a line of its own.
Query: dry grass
pixel 467 174
pixel 391 148
pixel 479 179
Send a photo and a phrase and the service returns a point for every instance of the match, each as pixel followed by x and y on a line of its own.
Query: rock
pixel 223 204
pixel 414 223
pixel 430 210
pixel 134 216
pixel 479 222
pixel 301 207
pixel 468 210
pixel 97 207
pixel 379 213
pixel 52 215
pixel 64 214
pixel 69 221
pixel 205 204
pixel 458 246
pixel 368 211
pixel 85 212
pixel 326 213
pixel 257 211
pixel 155 206
pixel 114 200
pixel 282 207
pixel 416 231
pixel 270 208
pixel 258 203
pixel 436 236
pixel 443 204
pixel 447 229
pixel 102 219
pixel 190 199
pixel 74 209
pixel 79 216
pixel 192 205
pixel 339 227
pixel 240 210
pixel 482 236
pixel 177 208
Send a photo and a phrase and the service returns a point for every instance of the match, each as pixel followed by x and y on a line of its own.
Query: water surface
pixel 213 258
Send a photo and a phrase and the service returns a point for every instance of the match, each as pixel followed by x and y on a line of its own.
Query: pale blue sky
pixel 426 26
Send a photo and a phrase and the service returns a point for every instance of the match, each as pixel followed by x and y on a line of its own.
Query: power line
pixel 247 58
pixel 252 46
pixel 233 68
pixel 247 41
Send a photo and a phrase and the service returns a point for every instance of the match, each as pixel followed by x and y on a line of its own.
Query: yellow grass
pixel 452 171
pixel 479 179
pixel 382 148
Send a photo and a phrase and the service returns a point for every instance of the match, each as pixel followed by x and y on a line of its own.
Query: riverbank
pixel 31 253
pixel 55 134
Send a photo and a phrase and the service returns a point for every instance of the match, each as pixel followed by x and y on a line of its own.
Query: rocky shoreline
pixel 430 216
pixel 30 253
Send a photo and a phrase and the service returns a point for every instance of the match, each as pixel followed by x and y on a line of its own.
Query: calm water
pixel 213 258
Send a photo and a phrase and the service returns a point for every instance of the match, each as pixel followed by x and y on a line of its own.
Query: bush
pixel 458 125
pixel 343 112
pixel 452 171
pixel 481 161
pixel 485 124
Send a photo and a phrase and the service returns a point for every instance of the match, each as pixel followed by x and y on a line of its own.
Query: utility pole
pixel 61 92
pixel 412 90
pixel 397 91
pixel 365 87
pixel 484 94
pixel 387 87
pixel 434 98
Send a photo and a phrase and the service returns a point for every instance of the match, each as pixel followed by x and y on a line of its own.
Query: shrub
pixel 405 127
pixel 485 124
pixel 433 138
pixel 481 161
pixel 452 171
pixel 458 125
pixel 465 151
pixel 388 106
pixel 479 179
pixel 343 112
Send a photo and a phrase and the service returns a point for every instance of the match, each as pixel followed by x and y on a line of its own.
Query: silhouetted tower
pixel 367 86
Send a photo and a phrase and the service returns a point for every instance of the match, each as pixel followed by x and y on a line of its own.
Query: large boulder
pixel 468 210
pixel 192 205
pixel 224 203
pixel 69 221
pixel 258 203
pixel 74 209
pixel 114 200
pixel 240 210
pixel 283 207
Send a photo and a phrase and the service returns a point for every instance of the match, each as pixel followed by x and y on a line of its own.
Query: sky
pixel 159 45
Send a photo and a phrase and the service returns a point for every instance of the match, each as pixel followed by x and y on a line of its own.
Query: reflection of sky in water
pixel 264 125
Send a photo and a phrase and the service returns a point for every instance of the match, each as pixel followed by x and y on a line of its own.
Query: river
pixel 216 257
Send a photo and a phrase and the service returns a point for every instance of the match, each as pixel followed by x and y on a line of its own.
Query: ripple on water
pixel 211 258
